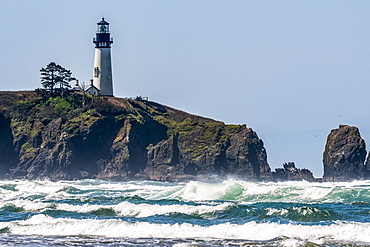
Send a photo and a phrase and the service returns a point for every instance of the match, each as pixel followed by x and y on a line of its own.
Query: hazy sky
pixel 291 70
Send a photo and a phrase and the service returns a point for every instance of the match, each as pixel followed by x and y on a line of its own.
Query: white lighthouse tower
pixel 102 77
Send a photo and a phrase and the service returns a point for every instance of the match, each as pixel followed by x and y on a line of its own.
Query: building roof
pixel 93 90
pixel 103 22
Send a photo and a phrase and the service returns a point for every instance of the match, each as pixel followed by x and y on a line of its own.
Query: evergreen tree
pixel 48 76
pixel 54 75
pixel 64 77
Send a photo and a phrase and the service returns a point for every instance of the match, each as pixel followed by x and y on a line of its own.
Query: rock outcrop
pixel 344 155
pixel 241 154
pixel 118 139
pixel 291 173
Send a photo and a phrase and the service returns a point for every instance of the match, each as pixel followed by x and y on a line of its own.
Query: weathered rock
pixel 9 157
pixel 126 158
pixel 118 139
pixel 164 161
pixel 241 155
pixel 344 155
pixel 291 173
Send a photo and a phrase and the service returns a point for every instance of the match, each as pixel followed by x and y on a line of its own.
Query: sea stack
pixel 344 155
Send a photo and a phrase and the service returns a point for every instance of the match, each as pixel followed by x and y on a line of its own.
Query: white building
pixel 92 89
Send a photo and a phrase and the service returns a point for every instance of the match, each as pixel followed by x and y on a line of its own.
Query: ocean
pixel 196 213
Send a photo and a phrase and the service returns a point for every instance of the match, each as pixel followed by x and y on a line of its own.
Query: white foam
pixel 197 191
pixel 123 209
pixel 145 210
pixel 306 211
pixel 275 211
pixel 256 192
pixel 57 190
pixel 31 206
pixel 44 225
pixel 292 243
pixel 315 193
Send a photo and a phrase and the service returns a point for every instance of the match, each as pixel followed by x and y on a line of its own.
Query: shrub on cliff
pixel 61 106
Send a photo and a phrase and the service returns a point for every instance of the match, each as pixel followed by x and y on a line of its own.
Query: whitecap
pixel 45 225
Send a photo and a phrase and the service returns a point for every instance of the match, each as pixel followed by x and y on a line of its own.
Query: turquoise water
pixel 146 213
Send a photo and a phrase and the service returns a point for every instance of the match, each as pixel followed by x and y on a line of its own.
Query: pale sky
pixel 291 70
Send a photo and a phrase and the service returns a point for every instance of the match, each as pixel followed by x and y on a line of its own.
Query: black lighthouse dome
pixel 103 39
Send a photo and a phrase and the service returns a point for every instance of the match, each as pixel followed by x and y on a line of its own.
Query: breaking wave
pixel 182 214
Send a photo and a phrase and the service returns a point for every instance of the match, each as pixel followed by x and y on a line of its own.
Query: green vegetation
pixel 83 120
pixel 61 106
pixel 196 134
pixel 27 147
pixel 28 151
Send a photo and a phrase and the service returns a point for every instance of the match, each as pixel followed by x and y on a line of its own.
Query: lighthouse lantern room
pixel 102 75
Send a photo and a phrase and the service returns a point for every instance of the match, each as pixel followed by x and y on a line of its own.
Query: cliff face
pixel 239 152
pixel 118 139
pixel 344 155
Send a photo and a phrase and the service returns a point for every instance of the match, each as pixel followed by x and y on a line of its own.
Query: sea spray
pixel 194 213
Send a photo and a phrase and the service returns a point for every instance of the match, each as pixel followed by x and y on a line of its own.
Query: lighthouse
pixel 102 76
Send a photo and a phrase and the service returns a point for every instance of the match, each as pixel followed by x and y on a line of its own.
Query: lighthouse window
pixel 96 71
pixel 103 29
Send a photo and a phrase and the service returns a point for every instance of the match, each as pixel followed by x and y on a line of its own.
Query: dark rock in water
pixel 344 155
pixel 118 139
pixel 291 173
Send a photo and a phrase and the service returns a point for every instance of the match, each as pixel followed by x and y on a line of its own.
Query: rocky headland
pixel 84 136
